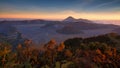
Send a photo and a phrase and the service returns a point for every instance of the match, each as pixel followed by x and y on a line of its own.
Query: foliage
pixel 95 52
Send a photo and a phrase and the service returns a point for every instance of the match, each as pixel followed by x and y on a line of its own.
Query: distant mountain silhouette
pixel 69 25
pixel 76 26
pixel 70 19
pixel 117 30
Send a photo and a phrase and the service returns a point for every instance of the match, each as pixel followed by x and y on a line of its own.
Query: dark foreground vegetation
pixel 96 52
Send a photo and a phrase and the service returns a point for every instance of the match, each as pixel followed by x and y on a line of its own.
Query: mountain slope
pixel 70 19
pixel 76 26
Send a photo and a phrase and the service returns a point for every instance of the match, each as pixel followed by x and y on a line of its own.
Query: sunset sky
pixel 60 9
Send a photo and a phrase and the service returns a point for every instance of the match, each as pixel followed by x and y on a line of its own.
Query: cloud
pixel 105 4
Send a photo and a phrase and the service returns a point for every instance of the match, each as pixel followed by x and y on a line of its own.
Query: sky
pixel 60 9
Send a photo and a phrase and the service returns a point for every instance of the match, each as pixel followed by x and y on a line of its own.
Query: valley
pixel 41 31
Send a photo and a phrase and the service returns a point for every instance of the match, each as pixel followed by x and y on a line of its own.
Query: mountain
pixel 117 30
pixel 78 26
pixel 84 20
pixel 43 30
pixel 70 19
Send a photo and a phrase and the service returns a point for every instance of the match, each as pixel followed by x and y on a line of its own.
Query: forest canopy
pixel 95 52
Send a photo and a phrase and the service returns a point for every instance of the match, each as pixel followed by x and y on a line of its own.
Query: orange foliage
pixel 68 53
pixel 51 44
pixel 27 42
pixel 61 47
pixel 98 51
pixel 19 46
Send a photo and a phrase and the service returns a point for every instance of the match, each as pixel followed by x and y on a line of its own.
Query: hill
pixel 77 26
pixel 94 52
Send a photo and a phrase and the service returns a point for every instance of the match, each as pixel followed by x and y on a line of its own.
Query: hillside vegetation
pixel 95 52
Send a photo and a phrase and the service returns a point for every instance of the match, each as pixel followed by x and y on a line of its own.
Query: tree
pixel 60 47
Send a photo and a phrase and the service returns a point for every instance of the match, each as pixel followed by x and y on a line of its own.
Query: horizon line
pixel 49 19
